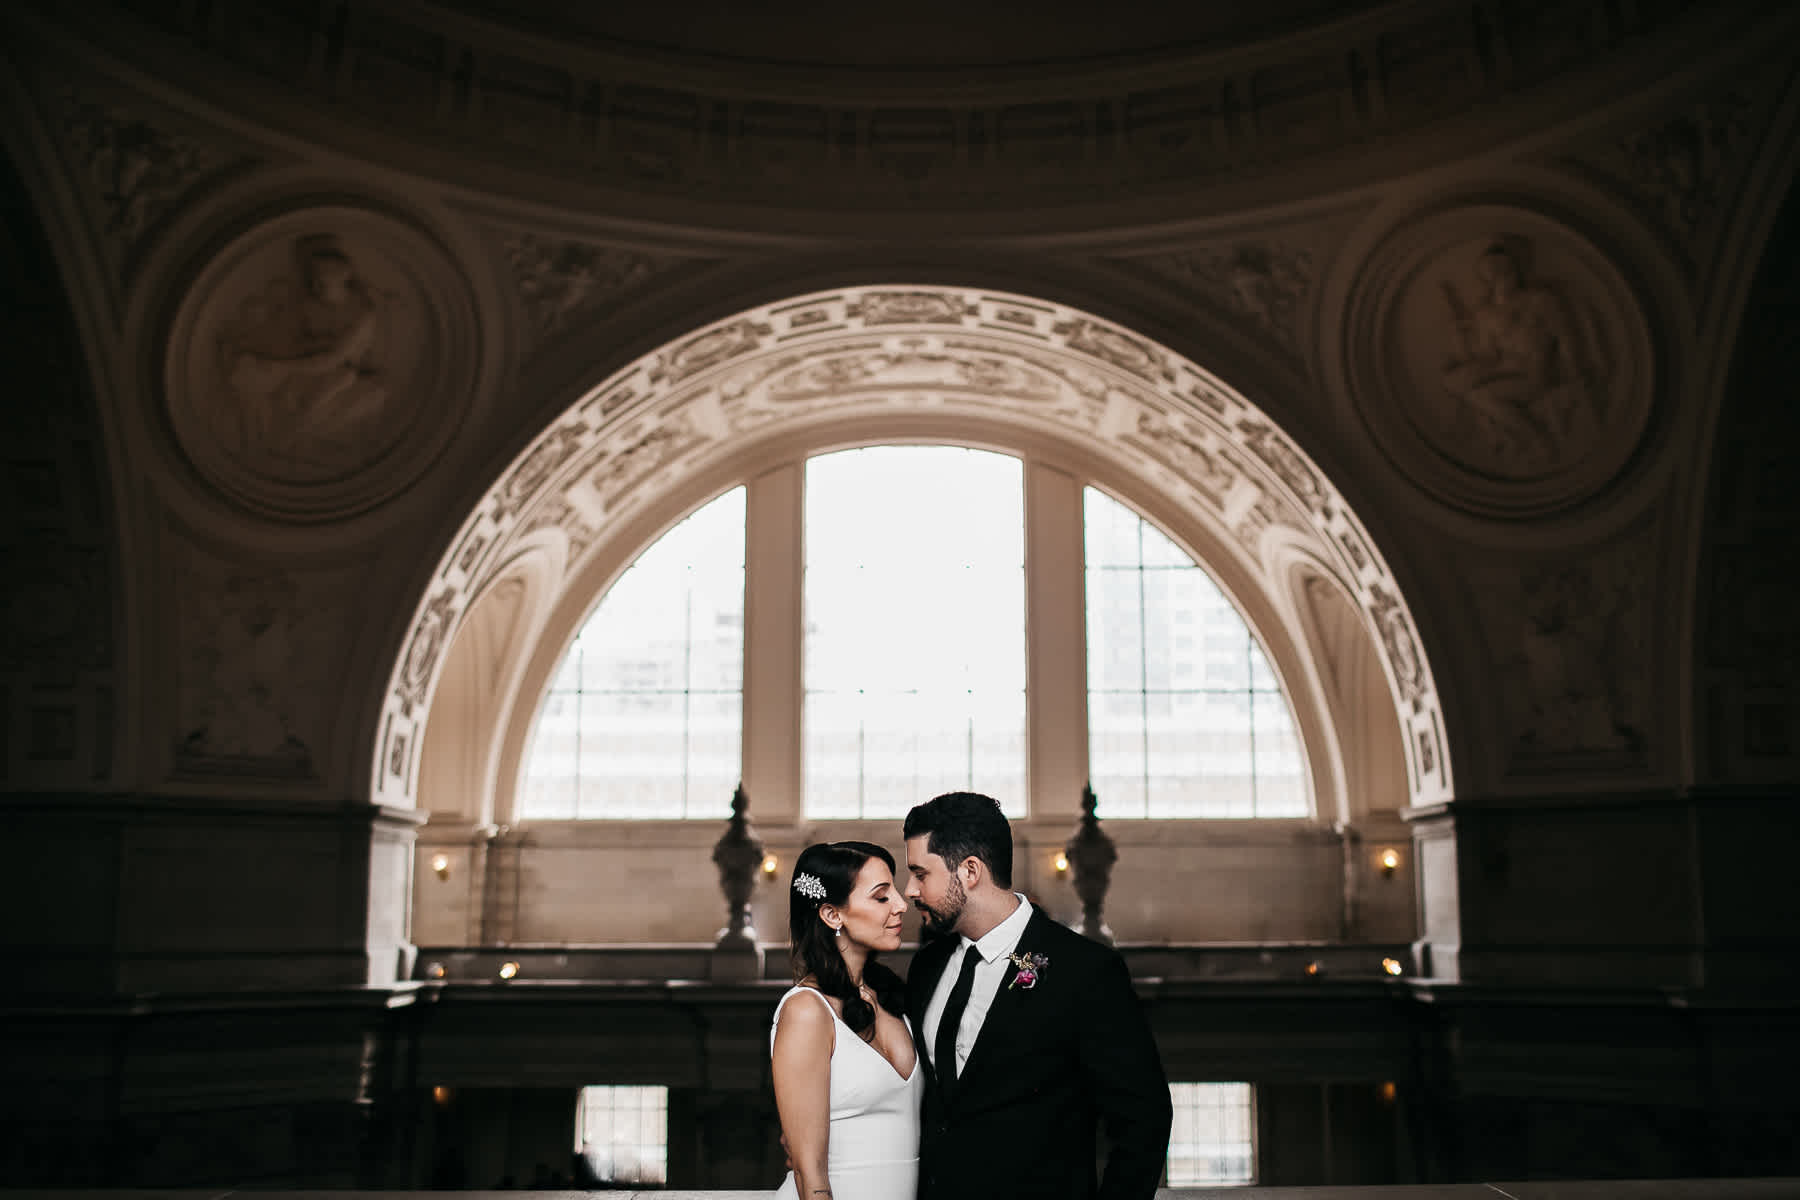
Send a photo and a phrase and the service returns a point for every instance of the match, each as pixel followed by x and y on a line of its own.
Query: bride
pixel 847 1077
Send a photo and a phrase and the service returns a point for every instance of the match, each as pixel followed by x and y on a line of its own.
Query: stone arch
pixel 480 676
pixel 861 364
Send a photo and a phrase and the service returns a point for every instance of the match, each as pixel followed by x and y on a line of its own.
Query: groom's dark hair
pixel 959 825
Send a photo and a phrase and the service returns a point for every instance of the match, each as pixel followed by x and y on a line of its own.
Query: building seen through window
pixel 911 625
pixel 644 716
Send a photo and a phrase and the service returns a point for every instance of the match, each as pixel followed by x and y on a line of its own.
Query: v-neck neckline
pixel 870 1046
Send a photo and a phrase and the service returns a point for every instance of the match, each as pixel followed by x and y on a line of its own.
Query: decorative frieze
pixel 1050 137
pixel 139 164
pixel 1263 283
pixel 558 281
pixel 951 353
pixel 1570 641
pixel 256 652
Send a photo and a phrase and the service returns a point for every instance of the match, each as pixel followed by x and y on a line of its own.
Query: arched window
pixel 644 715
pixel 912 634
pixel 1185 717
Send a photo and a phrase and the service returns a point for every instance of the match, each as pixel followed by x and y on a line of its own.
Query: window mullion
pixel 774 624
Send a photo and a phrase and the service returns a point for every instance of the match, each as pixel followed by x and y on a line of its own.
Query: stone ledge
pixel 1598 1189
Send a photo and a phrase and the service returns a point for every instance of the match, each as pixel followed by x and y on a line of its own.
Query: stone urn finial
pixel 1091 856
pixel 737 854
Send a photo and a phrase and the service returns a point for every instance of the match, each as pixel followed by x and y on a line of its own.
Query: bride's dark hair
pixel 812 944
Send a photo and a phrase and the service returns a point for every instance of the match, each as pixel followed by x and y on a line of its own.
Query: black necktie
pixel 943 1051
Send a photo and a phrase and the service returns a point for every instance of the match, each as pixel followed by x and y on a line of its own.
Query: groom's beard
pixel 942 919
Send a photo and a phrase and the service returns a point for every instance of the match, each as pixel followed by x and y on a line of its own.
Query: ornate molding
pixel 878 352
pixel 254 667
pixel 560 281
pixel 1573 668
pixel 1682 168
pixel 1264 284
pixel 138 165
pixel 820 138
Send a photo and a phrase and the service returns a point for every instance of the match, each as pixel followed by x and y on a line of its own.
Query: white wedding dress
pixel 873 1153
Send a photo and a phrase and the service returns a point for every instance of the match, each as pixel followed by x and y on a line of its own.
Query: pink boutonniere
pixel 1030 967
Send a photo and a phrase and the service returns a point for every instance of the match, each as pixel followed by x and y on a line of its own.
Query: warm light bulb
pixel 1391 966
pixel 1060 862
pixel 1390 861
pixel 770 865
pixel 440 865
pixel 441 1094
pixel 1312 969
pixel 508 970
pixel 1388 1091
pixel 435 971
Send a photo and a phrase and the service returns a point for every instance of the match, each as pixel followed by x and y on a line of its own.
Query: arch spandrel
pixel 936 359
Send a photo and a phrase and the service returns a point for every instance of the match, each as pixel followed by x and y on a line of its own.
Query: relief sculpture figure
pixel 303 368
pixel 1520 372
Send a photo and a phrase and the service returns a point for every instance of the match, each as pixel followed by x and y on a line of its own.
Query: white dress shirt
pixel 995 947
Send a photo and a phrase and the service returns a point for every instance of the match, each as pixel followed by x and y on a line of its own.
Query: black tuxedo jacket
pixel 1051 1064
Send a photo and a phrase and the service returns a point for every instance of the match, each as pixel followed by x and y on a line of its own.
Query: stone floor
pixel 1654 1189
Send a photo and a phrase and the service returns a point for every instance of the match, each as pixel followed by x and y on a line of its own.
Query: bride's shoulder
pixel 806 1019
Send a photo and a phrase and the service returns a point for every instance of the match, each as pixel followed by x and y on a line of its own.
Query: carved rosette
pixel 1499 360
pixel 320 363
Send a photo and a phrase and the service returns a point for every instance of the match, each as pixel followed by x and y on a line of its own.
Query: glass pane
pixel 622 1134
pixel 1280 766
pixel 1115 630
pixel 1262 676
pixel 1179 690
pixel 1111 533
pixel 644 713
pixel 915 629
pixel 1212 1140
pixel 1158 550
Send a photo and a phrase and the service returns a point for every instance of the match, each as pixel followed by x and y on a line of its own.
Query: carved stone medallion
pixel 320 362
pixel 1500 361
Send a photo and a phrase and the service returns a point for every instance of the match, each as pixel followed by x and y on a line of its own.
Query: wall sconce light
pixel 442 1095
pixel 1061 863
pixel 508 970
pixel 1389 861
pixel 440 865
pixel 1387 1092
pixel 1314 969
pixel 770 864
pixel 1392 966
pixel 435 971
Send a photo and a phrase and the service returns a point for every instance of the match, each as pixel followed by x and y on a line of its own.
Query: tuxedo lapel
pixel 1005 1008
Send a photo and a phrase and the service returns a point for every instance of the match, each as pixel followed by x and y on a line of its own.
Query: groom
pixel 1031 1033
